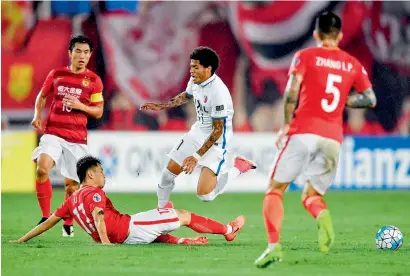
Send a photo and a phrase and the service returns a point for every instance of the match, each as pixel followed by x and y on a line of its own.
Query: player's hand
pixel 72 102
pixel 37 123
pixel 189 164
pixel 15 241
pixel 281 134
pixel 152 106
pixel 107 243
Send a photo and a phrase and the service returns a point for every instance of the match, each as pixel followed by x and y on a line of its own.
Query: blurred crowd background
pixel 142 55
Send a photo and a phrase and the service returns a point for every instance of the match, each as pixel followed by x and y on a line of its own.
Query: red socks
pixel 314 205
pixel 205 225
pixel 273 215
pixel 44 193
pixel 68 221
pixel 167 238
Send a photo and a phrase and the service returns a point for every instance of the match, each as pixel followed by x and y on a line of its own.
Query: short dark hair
pixel 206 57
pixel 80 39
pixel 84 164
pixel 328 24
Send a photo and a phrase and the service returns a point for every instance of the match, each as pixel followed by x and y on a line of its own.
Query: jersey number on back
pixel 330 106
pixel 77 214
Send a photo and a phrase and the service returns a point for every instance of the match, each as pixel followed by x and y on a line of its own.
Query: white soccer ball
pixel 389 237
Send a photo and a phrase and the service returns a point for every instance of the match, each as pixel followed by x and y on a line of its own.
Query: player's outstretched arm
pixel 178 100
pixel 39 229
pixel 365 99
pixel 189 163
pixel 98 215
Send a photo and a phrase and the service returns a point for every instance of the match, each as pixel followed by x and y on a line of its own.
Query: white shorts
pixel 214 158
pixel 307 157
pixel 145 227
pixel 64 154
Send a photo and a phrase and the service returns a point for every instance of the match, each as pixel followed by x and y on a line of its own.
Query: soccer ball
pixel 389 237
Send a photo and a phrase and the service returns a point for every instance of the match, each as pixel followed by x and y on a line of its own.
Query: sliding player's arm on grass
pixel 39 229
pixel 178 100
pixel 98 216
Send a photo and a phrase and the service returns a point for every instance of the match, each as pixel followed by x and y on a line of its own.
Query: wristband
pixel 196 156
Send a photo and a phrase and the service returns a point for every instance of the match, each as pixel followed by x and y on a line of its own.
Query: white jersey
pixel 212 101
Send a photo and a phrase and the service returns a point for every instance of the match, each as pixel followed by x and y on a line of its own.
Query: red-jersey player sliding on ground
pixel 320 80
pixel 95 213
pixel 77 94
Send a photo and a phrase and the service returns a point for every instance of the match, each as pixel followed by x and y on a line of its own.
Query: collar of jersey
pixel 205 83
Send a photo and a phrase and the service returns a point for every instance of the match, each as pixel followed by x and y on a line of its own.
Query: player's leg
pixel 43 185
pixel 72 152
pixel 319 175
pixel 288 163
pixel 70 187
pixel 202 224
pixel 46 155
pixel 170 239
pixel 181 150
pixel 241 165
pixel 167 183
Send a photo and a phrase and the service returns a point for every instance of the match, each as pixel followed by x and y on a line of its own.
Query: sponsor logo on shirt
pixel 220 108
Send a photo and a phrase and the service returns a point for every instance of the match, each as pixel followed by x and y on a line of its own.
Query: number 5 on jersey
pixel 332 89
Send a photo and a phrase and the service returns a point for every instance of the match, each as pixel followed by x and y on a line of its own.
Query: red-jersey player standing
pixel 77 95
pixel 95 213
pixel 320 80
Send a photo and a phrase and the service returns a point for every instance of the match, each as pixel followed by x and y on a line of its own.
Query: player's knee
pixel 41 173
pixel 277 187
pixel 184 217
pixel 207 197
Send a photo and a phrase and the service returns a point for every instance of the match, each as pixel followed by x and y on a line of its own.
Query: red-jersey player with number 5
pixel 320 80
pixel 77 95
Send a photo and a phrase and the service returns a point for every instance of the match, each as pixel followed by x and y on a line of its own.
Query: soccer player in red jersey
pixel 95 213
pixel 77 95
pixel 320 80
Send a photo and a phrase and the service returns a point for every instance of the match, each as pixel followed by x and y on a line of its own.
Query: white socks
pixel 165 187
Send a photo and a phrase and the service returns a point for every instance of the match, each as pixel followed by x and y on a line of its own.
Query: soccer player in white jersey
pixel 207 142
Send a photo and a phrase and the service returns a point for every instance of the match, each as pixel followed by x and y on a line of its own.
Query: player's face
pixel 198 72
pixel 99 176
pixel 80 55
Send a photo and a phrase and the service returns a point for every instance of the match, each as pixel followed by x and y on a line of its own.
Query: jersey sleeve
pixel 298 65
pixel 97 95
pixel 219 105
pixel 189 90
pixel 48 84
pixel 96 199
pixel 63 211
pixel 361 82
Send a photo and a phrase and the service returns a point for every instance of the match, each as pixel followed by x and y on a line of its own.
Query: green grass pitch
pixel 357 217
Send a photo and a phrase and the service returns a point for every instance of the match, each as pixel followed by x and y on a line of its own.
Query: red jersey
pixel 63 121
pixel 328 76
pixel 80 206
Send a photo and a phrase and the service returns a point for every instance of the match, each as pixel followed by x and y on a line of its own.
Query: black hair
pixel 206 57
pixel 328 24
pixel 84 164
pixel 80 39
